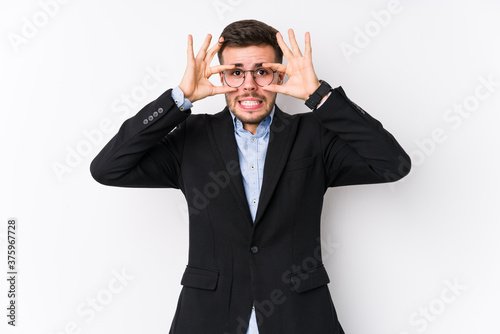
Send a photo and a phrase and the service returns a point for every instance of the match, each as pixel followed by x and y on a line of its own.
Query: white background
pixel 391 251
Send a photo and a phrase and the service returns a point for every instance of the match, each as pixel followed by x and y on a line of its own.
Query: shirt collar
pixel 262 129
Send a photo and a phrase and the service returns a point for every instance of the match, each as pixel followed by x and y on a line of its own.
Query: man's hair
pixel 250 33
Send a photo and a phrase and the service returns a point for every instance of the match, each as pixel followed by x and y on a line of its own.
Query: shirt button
pixel 176 101
pixel 254 249
pixel 253 139
pixel 181 108
pixel 252 167
pixel 254 202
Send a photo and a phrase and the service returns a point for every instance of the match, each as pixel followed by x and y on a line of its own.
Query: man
pixel 254 179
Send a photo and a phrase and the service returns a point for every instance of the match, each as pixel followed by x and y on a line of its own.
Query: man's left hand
pixel 302 80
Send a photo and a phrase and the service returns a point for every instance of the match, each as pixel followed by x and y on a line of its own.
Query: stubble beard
pixel 233 105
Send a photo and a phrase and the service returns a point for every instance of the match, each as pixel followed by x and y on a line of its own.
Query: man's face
pixel 250 103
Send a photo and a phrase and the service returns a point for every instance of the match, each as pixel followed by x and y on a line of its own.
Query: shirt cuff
pixel 319 105
pixel 180 101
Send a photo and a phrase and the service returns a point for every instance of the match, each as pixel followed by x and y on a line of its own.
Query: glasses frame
pixel 253 76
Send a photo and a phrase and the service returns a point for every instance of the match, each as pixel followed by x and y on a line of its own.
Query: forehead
pixel 248 56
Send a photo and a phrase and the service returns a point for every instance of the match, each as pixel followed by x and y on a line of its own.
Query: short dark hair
pixel 250 33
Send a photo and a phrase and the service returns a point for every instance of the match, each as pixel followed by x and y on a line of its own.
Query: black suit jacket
pixel 276 261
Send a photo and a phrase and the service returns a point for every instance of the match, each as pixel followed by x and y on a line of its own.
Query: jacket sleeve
pixel 356 147
pixel 147 150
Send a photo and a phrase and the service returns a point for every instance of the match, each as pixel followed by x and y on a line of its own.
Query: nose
pixel 249 82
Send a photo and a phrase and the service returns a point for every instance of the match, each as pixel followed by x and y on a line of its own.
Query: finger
pixel 284 48
pixel 190 52
pixel 293 43
pixel 275 66
pixel 223 90
pixel 220 68
pixel 308 48
pixel 211 53
pixel 203 50
pixel 275 88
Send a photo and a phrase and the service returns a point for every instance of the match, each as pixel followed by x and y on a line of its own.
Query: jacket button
pixel 254 249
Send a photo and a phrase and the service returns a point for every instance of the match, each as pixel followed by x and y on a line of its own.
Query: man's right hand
pixel 195 84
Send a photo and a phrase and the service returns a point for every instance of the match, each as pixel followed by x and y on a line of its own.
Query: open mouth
pixel 250 104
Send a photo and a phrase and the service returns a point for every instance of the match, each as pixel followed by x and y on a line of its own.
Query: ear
pixel 221 76
pixel 281 78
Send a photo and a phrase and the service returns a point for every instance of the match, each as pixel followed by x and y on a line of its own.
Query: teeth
pixel 250 103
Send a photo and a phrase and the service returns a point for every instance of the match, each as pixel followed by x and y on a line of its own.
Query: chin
pixel 251 117
pixel 251 109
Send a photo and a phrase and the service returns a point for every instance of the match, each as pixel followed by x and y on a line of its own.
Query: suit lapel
pixel 224 142
pixel 283 129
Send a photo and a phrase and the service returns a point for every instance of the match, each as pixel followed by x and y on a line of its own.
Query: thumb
pixel 275 89
pixel 223 90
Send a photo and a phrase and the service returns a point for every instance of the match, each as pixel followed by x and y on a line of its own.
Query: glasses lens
pixel 234 77
pixel 263 76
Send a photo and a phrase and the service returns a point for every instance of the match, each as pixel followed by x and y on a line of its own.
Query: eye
pixel 262 72
pixel 236 72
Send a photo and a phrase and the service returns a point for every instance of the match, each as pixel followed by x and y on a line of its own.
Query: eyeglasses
pixel 236 77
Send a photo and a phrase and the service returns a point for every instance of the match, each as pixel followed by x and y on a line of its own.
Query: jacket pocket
pixel 200 278
pixel 309 279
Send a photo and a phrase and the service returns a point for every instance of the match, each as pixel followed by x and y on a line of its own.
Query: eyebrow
pixel 254 66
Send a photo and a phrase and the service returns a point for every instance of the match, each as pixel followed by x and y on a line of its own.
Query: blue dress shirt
pixel 180 101
pixel 252 151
